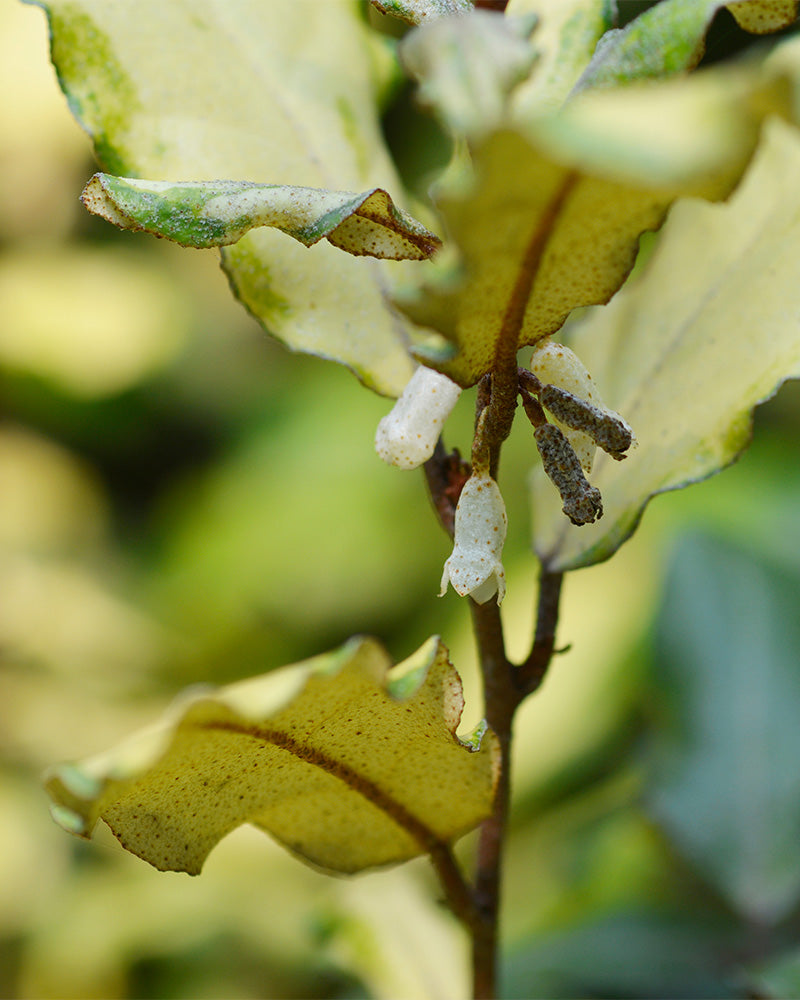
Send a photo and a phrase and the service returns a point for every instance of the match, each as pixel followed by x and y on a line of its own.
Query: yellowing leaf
pixel 347 761
pixel 709 330
pixel 217 213
pixel 283 92
pixel 552 218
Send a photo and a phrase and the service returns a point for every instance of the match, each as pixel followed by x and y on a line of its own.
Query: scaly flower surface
pixel 475 567
pixel 407 435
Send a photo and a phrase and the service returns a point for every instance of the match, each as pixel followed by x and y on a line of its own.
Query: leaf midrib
pixel 420 832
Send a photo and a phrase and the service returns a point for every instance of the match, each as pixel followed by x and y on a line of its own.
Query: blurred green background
pixel 183 501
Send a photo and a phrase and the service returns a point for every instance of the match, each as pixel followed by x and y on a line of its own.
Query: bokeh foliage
pixel 176 506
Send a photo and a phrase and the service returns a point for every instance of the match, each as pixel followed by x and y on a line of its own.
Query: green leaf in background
pixel 217 213
pixel 279 93
pixel 709 329
pixel 348 762
pixel 417 11
pixel 640 954
pixel 724 781
pixel 669 38
pixel 779 977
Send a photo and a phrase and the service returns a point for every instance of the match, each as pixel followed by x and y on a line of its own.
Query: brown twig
pixel 505 685
pixel 501 699
pixel 530 674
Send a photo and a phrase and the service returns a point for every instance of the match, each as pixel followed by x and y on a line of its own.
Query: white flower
pixel 475 566
pixel 408 434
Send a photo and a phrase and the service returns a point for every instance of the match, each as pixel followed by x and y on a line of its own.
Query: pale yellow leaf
pixel 284 92
pixel 566 36
pixel 468 66
pixel 709 330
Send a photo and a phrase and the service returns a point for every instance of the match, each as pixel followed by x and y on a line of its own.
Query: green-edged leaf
pixel 217 213
pixel 710 329
pixel 566 37
pixel 417 11
pixel 283 92
pixel 552 218
pixel 348 762
pixel 669 38
pixel 467 66
pixel 724 778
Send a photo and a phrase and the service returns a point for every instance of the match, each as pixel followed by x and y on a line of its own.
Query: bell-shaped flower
pixel 407 435
pixel 475 566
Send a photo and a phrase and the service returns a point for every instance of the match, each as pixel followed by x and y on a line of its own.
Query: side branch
pixel 530 674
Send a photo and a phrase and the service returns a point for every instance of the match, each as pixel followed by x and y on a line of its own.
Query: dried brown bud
pixel 607 429
pixel 582 502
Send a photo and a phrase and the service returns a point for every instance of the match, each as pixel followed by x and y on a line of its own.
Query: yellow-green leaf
pixel 347 761
pixel 552 218
pixel 417 11
pixel 710 329
pixel 217 213
pixel 283 92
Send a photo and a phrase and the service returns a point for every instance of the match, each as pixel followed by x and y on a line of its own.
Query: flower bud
pixel 407 435
pixel 475 566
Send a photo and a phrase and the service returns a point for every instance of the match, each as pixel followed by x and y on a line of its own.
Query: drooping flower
pixel 407 435
pixel 556 364
pixel 475 565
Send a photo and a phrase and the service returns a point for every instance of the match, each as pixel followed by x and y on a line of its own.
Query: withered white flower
pixel 557 365
pixel 408 434
pixel 475 566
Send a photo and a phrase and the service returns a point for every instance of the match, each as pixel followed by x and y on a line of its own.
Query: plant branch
pixel 501 700
pixel 530 674
pixel 505 686
pixel 457 890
